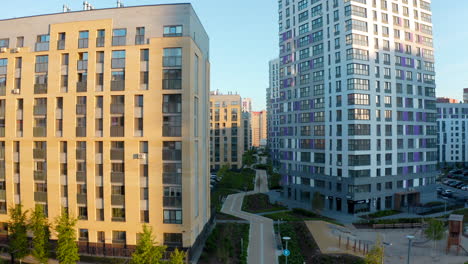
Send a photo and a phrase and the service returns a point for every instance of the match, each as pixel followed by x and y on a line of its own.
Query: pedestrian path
pixel 262 245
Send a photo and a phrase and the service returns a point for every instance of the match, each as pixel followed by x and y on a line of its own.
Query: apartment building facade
pixel 105 115
pixel 272 110
pixel 258 124
pixel 452 136
pixel 357 108
pixel 246 116
pixel 227 131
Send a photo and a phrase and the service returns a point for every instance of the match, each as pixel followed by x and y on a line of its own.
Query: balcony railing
pixel 119 40
pixel 100 42
pixel 39 153
pixel 82 65
pixel 117 154
pixel 172 202
pixel 2 90
pixel 81 198
pixel 2 195
pixel 40 175
pixel 117 131
pixel 40 110
pixel 2 131
pixel 118 85
pixel 39 131
pixel 80 154
pixel 81 131
pixel 172 61
pixel 83 43
pixel 40 88
pixel 172 84
pixel 42 46
pixel 82 86
pixel 117 177
pixel 117 199
pixel 117 108
pixel 139 39
pixel 172 131
pixel 172 154
pixel 81 176
pixel 81 109
pixel 40 196
pixel 172 178
pixel 61 44
pixel 118 63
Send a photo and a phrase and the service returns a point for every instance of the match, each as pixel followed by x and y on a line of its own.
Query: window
pixel 172 31
pixel 359 130
pixel 358 84
pixel 358 69
pixel 358 99
pixel 140 36
pixel 119 37
pixel 118 59
pixel 101 33
pixel 83 39
pixel 172 79
pixel 172 57
pixel 4 43
pixel 356 25
pixel 173 239
pixel 172 216
pixel 42 42
pixel 358 114
pixel 144 55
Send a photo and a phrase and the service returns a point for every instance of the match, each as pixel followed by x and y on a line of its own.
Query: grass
pixel 293 244
pixel 380 214
pixel 259 203
pixel 274 181
pixel 392 221
pixel 242 181
pixel 442 209
pixel 224 244
pixel 298 214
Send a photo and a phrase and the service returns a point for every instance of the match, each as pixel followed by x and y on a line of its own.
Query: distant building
pixel 465 95
pixel 227 132
pixel 452 133
pixel 259 128
pixel 444 100
pixel 247 105
pixel 246 118
pixel 272 110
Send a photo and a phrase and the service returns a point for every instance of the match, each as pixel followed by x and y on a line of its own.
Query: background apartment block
pixel 258 123
pixel 452 133
pixel 246 116
pixel 272 110
pixel 227 131
pixel 105 113
pixel 357 109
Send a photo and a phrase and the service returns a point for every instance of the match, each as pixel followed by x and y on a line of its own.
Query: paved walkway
pixel 262 245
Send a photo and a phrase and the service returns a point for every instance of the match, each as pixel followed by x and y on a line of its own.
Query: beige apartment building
pixel 259 128
pixel 227 133
pixel 105 113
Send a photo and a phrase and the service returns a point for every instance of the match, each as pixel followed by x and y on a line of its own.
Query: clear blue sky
pixel 243 36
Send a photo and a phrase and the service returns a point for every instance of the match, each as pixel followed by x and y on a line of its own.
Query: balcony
pixel 117 177
pixel 81 198
pixel 40 110
pixel 172 178
pixel 82 86
pixel 172 202
pixel 100 42
pixel 119 40
pixel 117 199
pixel 140 40
pixel 42 46
pixel 117 154
pixel 81 154
pixel 82 65
pixel 169 154
pixel 40 175
pixel 39 131
pixel 117 108
pixel 117 131
pixel 172 84
pixel 81 131
pixel 40 88
pixel 172 131
pixel 118 85
pixel 39 153
pixel 61 44
pixel 172 61
pixel 40 197
pixel 81 176
pixel 83 43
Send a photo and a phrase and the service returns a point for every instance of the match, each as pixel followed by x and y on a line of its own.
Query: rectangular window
pixel 172 31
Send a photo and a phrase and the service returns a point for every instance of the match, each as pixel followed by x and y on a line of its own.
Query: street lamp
pixel 410 238
pixel 286 250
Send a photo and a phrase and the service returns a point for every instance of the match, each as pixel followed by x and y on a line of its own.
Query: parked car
pixel 452 184
pixel 458 185
pixel 447 193
pixel 465 188
pixel 439 190
pixel 446 181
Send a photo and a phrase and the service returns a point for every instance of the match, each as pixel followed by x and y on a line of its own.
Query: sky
pixel 243 38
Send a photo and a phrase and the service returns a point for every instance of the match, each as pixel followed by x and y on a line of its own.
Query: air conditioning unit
pixel 3 50
pixel 16 50
pixel 15 91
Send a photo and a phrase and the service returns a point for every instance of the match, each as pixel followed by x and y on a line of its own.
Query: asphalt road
pixel 262 245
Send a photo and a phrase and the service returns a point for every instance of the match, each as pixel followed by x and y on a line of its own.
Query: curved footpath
pixel 262 245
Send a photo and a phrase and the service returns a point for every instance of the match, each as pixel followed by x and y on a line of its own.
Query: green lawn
pixel 243 180
pixel 380 214
pixel 259 203
pixel 299 215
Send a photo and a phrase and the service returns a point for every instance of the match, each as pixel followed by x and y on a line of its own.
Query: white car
pixel 465 188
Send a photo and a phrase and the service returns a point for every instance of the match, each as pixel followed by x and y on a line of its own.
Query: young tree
pixel 318 202
pixel 147 251
pixel 67 249
pixel 435 231
pixel 40 227
pixel 177 257
pixel 376 254
pixel 18 238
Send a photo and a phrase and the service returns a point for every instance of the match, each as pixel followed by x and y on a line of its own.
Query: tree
pixel 177 257
pixel 435 231
pixel 147 251
pixel 318 202
pixel 40 227
pixel 376 254
pixel 248 158
pixel 18 238
pixel 67 250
